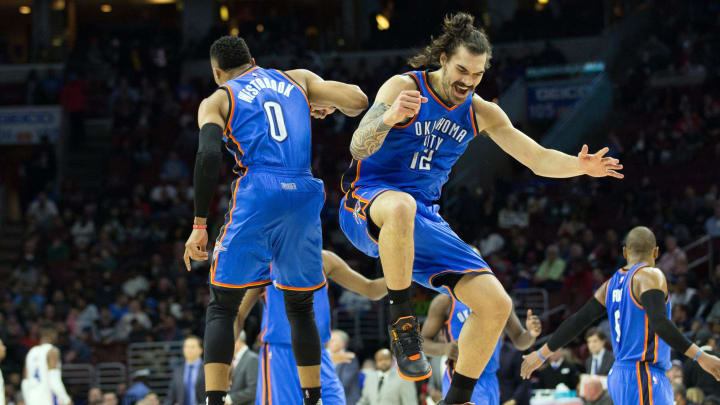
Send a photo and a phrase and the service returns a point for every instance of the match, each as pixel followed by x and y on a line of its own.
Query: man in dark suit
pixel 558 370
pixel 346 365
pixel 244 374
pixel 187 386
pixel 513 388
pixel 601 360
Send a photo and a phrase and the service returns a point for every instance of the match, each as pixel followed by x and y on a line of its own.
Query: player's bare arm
pixel 55 381
pixel 211 120
pixel 650 285
pixel 339 271
pixel 249 300
pixel 437 315
pixel 397 100
pixel 593 310
pixel 348 98
pixel 523 337
pixel 542 161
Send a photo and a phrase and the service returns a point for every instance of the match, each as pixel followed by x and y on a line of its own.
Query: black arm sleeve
pixel 654 303
pixel 576 324
pixel 207 167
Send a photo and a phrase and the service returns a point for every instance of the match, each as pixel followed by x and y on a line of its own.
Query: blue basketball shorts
pixel 273 220
pixel 638 383
pixel 278 381
pixel 486 392
pixel 438 249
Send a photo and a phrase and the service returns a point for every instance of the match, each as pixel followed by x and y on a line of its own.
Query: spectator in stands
pixel 173 169
pixel 72 98
pixel 684 295
pixel 550 273
pixel 695 395
pixel 150 399
pixel 139 389
pixel 43 211
pixel 3 352
pixel 706 301
pixel 601 360
pixel 673 260
pixel 187 386
pixel 558 371
pixel 712 225
pixel 110 398
pixel 384 386
pixel 95 396
pixel 346 365
pixel 675 373
pixel 594 393
pixel 135 314
pixel 711 400
pixel 681 395
pixel 244 374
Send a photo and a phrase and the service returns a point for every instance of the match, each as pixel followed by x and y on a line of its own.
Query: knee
pixel 225 301
pixel 399 208
pixel 299 304
pixel 495 304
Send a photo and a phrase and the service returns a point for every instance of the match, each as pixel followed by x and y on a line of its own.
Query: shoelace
pixel 410 341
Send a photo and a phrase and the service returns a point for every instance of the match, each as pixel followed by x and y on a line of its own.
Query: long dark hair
pixel 458 29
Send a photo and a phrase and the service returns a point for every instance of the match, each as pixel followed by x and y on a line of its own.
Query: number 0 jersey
pixel 417 157
pixel 633 339
pixel 268 121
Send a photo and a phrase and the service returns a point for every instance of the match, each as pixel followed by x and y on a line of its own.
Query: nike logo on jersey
pixel 255 86
pixel 442 126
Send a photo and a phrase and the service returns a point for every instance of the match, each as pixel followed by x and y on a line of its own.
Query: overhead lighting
pixel 106 8
pixel 234 31
pixel 57 41
pixel 224 13
pixel 543 1
pixel 58 5
pixel 160 1
pixel 24 10
pixel 260 28
pixel 382 22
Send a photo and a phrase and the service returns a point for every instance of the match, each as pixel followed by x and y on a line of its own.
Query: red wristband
pixel 196 226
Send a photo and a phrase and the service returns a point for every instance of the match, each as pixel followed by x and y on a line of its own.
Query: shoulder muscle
pixel 393 86
pixel 649 278
pixel 214 109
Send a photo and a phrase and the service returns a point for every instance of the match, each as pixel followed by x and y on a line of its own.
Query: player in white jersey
pixel 42 384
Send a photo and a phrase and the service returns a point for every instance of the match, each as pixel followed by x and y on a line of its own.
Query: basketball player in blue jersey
pixel 637 304
pixel 278 381
pixel 448 315
pixel 262 116
pixel 403 150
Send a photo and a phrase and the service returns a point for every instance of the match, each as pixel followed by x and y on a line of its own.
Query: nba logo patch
pixel 218 248
pixel 356 211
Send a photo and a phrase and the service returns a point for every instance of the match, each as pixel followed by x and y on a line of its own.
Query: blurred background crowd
pixel 93 222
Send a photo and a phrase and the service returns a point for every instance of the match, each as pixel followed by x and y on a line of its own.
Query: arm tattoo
pixel 370 135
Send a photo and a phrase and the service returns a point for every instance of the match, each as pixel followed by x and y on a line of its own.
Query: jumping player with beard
pixel 403 150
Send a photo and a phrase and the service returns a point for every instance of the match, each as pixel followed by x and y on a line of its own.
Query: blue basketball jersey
pixel 458 315
pixel 633 339
pixel 275 326
pixel 417 157
pixel 269 121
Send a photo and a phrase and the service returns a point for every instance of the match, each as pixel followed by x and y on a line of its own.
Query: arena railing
pixel 160 358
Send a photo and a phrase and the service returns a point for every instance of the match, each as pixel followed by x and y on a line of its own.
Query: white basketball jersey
pixel 36 386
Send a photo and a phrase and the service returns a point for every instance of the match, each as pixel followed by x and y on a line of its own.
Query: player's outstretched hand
pixel 196 247
pixel 406 105
pixel 531 362
pixel 342 357
pixel 533 324
pixel 711 364
pixel 596 165
pixel 320 112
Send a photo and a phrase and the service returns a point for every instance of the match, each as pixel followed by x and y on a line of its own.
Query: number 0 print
pixel 274 113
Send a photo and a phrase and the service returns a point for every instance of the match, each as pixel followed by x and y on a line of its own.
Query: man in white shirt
pixel 384 386
pixel 601 360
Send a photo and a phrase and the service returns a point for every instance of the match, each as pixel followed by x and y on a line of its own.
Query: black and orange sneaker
pixel 406 345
